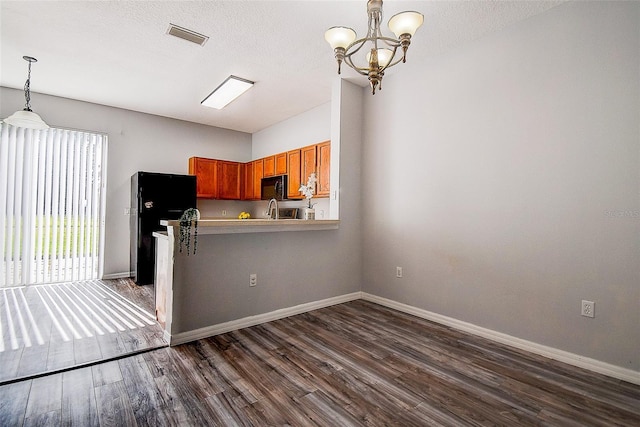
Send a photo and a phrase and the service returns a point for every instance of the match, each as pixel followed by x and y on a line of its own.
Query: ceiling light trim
pixel 187 34
pixel 229 90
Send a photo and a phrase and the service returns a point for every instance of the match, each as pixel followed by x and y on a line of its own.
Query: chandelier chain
pixel 27 90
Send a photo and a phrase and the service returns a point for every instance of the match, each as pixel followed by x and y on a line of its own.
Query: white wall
pixel 137 142
pixel 504 178
pixel 307 128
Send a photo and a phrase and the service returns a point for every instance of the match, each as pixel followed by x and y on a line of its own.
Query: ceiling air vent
pixel 187 35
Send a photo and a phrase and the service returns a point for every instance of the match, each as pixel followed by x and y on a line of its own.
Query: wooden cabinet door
pixel 247 181
pixel 269 164
pixel 308 163
pixel 228 180
pixel 206 172
pixel 281 164
pixel 258 172
pixel 294 164
pixel 323 168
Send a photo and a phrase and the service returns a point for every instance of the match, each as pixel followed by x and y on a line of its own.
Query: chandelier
pixel 26 118
pixel 382 51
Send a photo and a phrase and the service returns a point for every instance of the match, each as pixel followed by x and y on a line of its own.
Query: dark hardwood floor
pixel 48 328
pixel 352 364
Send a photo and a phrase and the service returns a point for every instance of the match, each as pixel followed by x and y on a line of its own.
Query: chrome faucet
pixel 275 203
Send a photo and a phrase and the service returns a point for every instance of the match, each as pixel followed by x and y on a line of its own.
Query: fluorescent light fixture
pixel 229 90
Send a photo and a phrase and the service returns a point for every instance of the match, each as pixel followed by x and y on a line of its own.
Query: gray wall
pixel 137 142
pixel 304 129
pixel 503 177
pixel 307 128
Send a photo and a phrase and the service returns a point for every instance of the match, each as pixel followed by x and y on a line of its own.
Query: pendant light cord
pixel 27 90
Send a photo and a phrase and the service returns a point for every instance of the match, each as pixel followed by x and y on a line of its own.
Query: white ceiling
pixel 116 53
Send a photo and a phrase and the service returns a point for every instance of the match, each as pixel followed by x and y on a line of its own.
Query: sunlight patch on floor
pixel 72 310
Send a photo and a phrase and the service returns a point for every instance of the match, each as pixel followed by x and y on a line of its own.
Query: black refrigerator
pixel 155 196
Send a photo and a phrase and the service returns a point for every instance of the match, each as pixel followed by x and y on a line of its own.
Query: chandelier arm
pixel 361 42
pixel 390 41
pixel 392 62
pixel 360 70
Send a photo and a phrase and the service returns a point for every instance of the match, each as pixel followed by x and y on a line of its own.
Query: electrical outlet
pixel 224 212
pixel 398 272
pixel 588 308
pixel 253 279
pixel 127 211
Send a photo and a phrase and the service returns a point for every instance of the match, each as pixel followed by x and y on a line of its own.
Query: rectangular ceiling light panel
pixel 188 35
pixel 229 90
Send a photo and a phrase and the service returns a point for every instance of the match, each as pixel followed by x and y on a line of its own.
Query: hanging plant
pixel 189 223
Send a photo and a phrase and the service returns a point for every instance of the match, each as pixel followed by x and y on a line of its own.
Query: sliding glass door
pixel 52 205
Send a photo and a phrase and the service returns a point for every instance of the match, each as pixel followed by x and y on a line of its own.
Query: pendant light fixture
pixel 381 51
pixel 26 118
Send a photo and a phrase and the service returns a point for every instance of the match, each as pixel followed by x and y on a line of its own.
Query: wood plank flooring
pixel 353 364
pixel 47 328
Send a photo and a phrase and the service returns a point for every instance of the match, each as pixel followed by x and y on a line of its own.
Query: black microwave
pixel 274 187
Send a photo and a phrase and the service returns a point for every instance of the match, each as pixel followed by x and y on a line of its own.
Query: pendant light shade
pixel 405 23
pixel 26 118
pixel 339 37
pixel 384 57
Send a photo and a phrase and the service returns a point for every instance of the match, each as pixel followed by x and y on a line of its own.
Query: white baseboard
pixel 542 350
pixel 117 275
pixel 221 328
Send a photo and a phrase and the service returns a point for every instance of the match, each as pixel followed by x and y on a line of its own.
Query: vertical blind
pixel 52 205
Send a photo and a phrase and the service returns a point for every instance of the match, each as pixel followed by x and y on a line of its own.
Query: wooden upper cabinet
pixel 216 179
pixel 281 164
pixel 305 161
pixel 269 164
pixel 223 179
pixel 228 180
pixel 247 181
pixel 323 169
pixel 258 173
pixel 294 167
pixel 206 172
pixel 308 163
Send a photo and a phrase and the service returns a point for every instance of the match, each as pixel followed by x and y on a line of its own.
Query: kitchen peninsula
pixel 201 289
pixel 300 265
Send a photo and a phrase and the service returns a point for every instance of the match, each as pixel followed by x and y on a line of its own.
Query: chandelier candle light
pixel 382 53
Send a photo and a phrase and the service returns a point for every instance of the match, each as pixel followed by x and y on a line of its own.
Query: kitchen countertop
pixel 233 226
